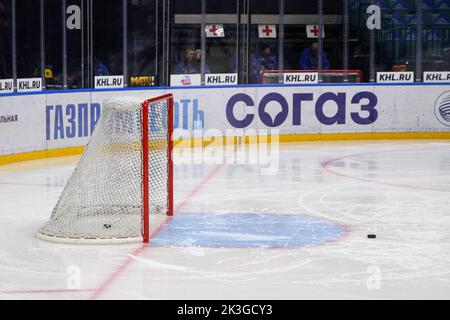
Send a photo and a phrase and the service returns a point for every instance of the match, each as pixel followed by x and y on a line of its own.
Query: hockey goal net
pixel 310 76
pixel 123 177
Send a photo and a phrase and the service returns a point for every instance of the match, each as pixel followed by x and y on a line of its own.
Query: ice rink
pixel 298 233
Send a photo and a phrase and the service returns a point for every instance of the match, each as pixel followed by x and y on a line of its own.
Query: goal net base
pixel 93 241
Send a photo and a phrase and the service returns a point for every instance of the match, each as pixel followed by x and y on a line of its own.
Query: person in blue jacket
pixel 309 59
pixel 191 63
pixel 100 68
pixel 266 60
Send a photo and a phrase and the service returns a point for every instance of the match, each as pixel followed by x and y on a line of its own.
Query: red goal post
pixel 322 76
pixel 145 159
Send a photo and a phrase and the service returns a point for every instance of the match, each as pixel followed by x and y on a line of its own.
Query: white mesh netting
pixel 102 201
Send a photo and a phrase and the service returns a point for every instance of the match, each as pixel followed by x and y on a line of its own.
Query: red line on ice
pixel 200 186
pixel 108 281
pixel 326 166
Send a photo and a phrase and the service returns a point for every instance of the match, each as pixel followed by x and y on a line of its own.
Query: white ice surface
pixel 398 190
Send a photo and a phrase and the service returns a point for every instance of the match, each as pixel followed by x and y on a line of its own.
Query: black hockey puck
pixel 107 226
pixel 371 236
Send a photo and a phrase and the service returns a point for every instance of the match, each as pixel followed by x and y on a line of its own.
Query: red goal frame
pixel 145 158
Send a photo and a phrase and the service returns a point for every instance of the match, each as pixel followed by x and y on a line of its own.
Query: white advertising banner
pixel 221 79
pixel 59 120
pixel 6 85
pixel 29 84
pixel 395 77
pixel 22 124
pixel 69 122
pixel 180 80
pixel 301 77
pixel 436 76
pixel 108 82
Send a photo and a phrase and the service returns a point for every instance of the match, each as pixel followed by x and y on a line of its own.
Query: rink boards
pixel 57 123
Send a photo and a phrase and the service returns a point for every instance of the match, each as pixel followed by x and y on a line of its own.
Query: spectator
pixel 191 63
pixel 266 60
pixel 310 58
pixel 100 69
